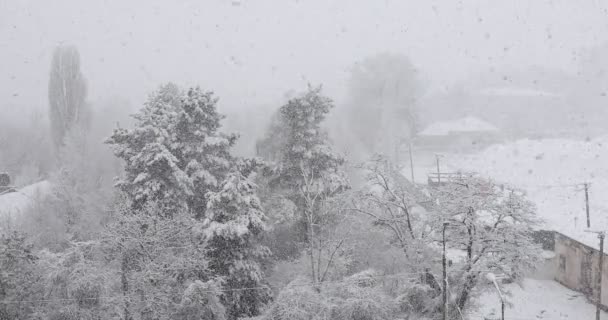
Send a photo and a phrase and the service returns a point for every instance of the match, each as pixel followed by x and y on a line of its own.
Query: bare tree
pixel 383 92
pixel 395 204
pixel 324 210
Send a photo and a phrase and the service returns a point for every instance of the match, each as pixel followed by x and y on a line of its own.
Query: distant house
pixel 463 134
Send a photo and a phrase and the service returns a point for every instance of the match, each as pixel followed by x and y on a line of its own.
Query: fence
pixel 442 178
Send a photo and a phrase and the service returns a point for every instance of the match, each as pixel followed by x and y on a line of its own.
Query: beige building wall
pixel 576 267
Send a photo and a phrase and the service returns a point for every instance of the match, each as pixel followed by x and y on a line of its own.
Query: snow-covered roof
pixel 15 203
pixel 467 124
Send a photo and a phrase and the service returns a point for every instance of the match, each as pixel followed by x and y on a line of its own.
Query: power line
pixel 265 287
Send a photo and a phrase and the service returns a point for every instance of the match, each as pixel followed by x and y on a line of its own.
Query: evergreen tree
pixel 307 150
pixel 175 154
pixel 305 163
pixel 307 172
pixel 235 220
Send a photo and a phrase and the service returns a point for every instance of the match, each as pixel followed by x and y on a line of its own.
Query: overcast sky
pixel 252 51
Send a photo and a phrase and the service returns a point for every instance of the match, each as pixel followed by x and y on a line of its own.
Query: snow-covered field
pixel 552 172
pixel 535 299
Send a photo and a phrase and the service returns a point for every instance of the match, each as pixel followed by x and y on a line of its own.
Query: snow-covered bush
pixel 19 273
pixel 419 299
pixel 75 281
pixel 299 301
pixel 359 297
pixel 201 301
pixel 156 259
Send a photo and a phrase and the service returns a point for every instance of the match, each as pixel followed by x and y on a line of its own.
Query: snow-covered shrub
pixel 418 299
pixel 365 278
pixel 299 301
pixel 76 279
pixel 359 297
pixel 66 313
pixel 18 275
pixel 201 301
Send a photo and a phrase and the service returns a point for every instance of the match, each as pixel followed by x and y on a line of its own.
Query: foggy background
pixel 361 115
pixel 532 68
pixel 252 52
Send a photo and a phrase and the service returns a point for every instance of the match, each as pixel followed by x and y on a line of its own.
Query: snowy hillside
pixel 14 203
pixel 552 172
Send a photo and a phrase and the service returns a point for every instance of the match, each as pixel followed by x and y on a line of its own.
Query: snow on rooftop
pixel 13 204
pixel 467 124
pixel 517 92
pixel 551 172
pixel 535 299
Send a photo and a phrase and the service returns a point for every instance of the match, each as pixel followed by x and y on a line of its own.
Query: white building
pixel 463 134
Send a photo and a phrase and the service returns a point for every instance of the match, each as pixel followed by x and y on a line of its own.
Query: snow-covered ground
pixel 13 204
pixel 552 172
pixel 535 299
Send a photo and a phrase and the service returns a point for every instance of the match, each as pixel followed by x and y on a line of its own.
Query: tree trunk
pixel 469 284
pixel 125 286
pixel 311 250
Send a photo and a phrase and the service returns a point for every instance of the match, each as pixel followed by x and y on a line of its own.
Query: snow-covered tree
pixel 176 153
pixel 492 226
pixel 82 188
pixel 234 221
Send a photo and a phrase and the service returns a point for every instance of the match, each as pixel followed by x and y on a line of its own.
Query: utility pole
pixel 397 147
pixel 438 172
pixel 587 203
pixel 601 235
pixel 599 282
pixel 411 160
pixel 445 276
